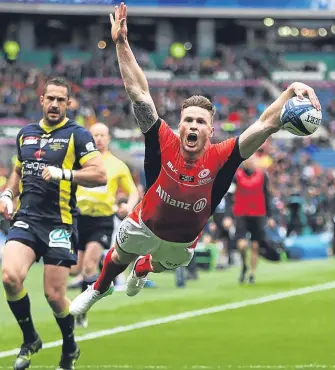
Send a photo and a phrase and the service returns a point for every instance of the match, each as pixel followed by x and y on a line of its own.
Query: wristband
pixel 67 175
pixel 7 193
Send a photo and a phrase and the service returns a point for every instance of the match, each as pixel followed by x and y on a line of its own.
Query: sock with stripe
pixel 109 272
pixel 65 322
pixel 20 306
pixel 143 266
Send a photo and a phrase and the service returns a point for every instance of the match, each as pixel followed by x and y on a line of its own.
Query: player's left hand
pixel 52 173
pixel 123 210
pixel 300 90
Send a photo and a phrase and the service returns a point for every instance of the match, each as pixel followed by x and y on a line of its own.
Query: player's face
pixel 101 136
pixel 195 129
pixel 54 104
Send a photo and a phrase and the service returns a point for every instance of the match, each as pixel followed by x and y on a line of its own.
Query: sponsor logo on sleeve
pixel 90 147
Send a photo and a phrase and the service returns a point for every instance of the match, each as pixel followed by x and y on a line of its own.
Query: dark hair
pixel 58 81
pixel 199 101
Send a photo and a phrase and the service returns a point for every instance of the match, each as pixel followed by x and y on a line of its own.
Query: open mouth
pixel 192 139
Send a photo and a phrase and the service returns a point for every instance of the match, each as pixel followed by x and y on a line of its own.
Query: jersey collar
pixel 48 129
pixel 107 154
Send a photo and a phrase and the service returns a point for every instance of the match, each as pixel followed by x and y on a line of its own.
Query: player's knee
pixel 53 294
pixel 90 269
pixel 12 280
pixel 75 270
pixel 242 244
pixel 121 258
pixel 158 267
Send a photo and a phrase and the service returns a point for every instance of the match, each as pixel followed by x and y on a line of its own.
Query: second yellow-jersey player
pixel 100 201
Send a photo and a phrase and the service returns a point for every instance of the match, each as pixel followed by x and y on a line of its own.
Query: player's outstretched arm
pixel 269 122
pixel 133 77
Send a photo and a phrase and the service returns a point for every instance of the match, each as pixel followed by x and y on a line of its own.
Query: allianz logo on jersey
pixel 198 206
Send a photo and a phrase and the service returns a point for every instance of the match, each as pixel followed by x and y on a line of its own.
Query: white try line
pixel 188 315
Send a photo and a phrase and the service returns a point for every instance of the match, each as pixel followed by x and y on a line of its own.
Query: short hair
pixel 58 81
pixel 199 101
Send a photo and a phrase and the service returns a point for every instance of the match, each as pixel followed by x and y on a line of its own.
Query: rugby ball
pixel 299 117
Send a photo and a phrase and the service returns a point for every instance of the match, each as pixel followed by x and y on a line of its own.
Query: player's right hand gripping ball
pixel 299 117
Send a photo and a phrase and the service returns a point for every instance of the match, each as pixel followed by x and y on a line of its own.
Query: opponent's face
pixel 54 104
pixel 101 136
pixel 195 129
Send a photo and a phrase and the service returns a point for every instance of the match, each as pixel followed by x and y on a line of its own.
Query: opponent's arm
pixel 92 173
pixel 13 184
pixel 11 192
pixel 133 77
pixel 269 122
pixel 14 181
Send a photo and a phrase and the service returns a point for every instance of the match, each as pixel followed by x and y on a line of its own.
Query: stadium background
pixel 240 54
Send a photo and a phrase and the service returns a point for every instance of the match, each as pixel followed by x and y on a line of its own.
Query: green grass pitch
pixel 291 333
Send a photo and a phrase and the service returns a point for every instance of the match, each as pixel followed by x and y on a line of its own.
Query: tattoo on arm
pixel 145 114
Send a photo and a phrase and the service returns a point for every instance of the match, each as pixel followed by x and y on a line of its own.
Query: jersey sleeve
pixel 160 133
pixel 85 147
pixel 229 149
pixel 18 161
pixel 126 181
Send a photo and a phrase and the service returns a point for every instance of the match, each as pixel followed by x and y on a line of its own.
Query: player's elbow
pixel 98 178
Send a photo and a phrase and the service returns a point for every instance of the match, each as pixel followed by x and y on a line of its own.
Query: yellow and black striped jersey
pixel 100 201
pixel 65 145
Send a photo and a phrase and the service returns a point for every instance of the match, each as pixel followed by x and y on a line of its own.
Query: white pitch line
pixel 188 315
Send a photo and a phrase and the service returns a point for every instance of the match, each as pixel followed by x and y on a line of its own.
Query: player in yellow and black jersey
pixel 97 208
pixel 54 155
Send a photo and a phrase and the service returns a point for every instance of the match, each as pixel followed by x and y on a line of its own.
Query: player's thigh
pixel 124 258
pixel 241 228
pixel 173 256
pixel 256 228
pixel 76 269
pixel 134 239
pixel 55 282
pixel 17 259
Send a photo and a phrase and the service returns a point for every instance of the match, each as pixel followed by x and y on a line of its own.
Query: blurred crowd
pixel 302 190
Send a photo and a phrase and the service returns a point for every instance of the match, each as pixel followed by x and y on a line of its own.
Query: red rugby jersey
pixel 250 195
pixel 181 196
